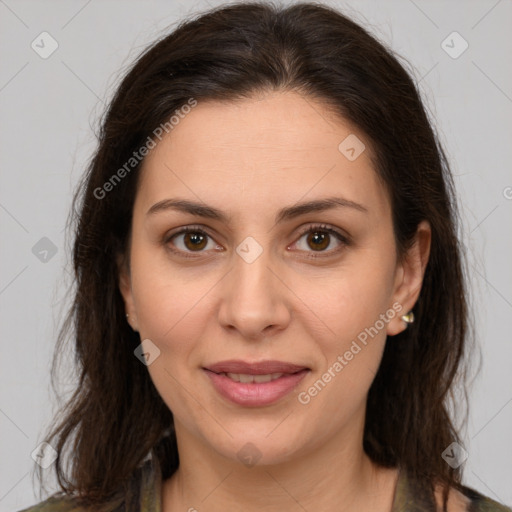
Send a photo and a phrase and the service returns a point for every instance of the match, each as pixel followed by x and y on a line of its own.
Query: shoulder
pixel 144 485
pixel 469 500
pixel 415 493
pixel 55 504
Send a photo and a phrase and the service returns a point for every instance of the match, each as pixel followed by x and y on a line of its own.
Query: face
pixel 267 271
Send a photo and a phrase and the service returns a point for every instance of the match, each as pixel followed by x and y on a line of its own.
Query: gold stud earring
pixel 408 318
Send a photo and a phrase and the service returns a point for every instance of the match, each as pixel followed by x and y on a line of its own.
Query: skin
pixel 250 159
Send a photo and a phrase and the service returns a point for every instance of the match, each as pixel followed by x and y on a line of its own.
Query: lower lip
pixel 255 394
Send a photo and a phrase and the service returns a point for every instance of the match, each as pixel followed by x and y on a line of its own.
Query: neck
pixel 341 479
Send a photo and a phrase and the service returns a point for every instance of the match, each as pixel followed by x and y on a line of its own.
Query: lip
pixel 255 394
pixel 257 368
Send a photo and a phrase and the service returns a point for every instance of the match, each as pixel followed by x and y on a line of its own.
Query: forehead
pixel 275 147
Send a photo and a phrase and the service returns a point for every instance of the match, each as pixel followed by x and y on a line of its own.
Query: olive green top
pixel 409 496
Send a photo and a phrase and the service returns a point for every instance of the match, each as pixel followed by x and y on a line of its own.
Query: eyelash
pixel 344 240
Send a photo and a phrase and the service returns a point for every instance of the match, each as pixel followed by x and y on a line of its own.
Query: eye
pixel 190 239
pixel 319 238
pixel 193 239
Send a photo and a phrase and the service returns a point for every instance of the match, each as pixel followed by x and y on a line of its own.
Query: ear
pixel 125 287
pixel 409 276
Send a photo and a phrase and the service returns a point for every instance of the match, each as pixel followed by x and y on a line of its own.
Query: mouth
pixel 254 384
pixel 238 367
pixel 248 378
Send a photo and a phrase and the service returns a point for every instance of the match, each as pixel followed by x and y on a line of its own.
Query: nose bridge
pixel 251 265
pixel 252 298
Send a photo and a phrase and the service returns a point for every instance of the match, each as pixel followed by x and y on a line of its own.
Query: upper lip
pixel 257 368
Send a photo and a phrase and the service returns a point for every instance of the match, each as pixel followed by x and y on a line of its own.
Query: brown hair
pixel 115 417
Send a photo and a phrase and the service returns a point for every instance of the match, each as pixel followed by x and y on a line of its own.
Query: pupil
pixel 196 239
pixel 319 239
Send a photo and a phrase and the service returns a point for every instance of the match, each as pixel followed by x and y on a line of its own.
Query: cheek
pixel 346 301
pixel 354 314
pixel 354 306
pixel 162 292
pixel 170 305
pixel 172 309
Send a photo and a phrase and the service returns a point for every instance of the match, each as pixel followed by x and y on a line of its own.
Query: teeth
pixel 245 378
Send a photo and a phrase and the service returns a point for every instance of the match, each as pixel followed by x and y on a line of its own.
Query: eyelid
pixel 185 229
pixel 194 228
pixel 344 239
pixel 328 228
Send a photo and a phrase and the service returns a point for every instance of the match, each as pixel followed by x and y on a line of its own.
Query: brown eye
pixel 194 241
pixel 321 239
pixel 318 240
pixel 189 240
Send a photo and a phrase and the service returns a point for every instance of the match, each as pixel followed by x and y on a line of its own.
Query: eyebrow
pixel 288 213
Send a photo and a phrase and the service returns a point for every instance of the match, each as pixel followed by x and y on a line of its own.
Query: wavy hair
pixel 115 416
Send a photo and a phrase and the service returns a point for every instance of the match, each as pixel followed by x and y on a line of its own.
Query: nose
pixel 254 300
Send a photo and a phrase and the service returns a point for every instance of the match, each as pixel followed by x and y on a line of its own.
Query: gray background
pixel 49 107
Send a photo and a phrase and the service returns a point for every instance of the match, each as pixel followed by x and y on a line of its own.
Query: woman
pixel 270 306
